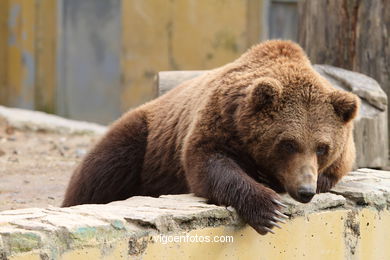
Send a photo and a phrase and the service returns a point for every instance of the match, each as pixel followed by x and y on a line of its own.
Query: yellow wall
pixel 326 235
pixel 21 53
pixel 332 234
pixel 318 236
pixel 3 52
pixel 181 35
pixel 156 35
pixel 46 51
pixel 27 53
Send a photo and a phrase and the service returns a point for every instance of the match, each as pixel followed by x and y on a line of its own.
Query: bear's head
pixel 295 129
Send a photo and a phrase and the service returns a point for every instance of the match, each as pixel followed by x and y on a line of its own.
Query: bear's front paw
pixel 325 182
pixel 264 212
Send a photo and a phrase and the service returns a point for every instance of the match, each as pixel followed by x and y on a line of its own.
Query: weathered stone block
pixel 355 220
pixel 39 121
pixel 366 187
pixel 370 133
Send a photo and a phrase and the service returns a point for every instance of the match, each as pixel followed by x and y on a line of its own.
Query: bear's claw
pixel 274 224
pixel 280 214
pixel 266 215
pixel 279 220
pixel 271 222
pixel 279 203
pixel 268 230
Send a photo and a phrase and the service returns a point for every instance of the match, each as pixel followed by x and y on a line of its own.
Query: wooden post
pixel 351 34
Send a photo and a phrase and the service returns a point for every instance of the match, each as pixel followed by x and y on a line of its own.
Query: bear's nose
pixel 306 193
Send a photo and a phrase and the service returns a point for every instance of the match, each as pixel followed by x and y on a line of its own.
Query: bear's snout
pixel 306 193
pixel 302 183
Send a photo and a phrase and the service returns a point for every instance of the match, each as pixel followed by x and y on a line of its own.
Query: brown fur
pixel 236 135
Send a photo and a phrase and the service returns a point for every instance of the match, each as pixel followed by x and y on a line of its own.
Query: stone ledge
pixel 22 119
pixel 54 232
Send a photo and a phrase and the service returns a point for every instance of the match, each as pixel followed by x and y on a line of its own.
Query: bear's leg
pixel 332 175
pixel 326 182
pixel 222 181
pixel 111 170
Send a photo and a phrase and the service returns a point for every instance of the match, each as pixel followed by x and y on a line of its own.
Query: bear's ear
pixel 345 104
pixel 264 92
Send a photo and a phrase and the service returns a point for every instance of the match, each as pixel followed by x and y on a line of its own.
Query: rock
pixel 371 128
pixel 319 202
pixel 9 130
pixel 80 152
pixel 366 187
pixel 167 80
pixel 21 119
pixel 370 133
pixel 365 87
pixel 13 159
pixel 175 212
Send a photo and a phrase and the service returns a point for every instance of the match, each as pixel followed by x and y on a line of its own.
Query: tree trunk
pixel 351 34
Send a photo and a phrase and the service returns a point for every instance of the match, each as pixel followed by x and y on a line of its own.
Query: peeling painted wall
pixel 21 55
pixel 339 234
pixel 180 35
pixel 3 50
pixel 27 53
pixel 89 86
pixel 95 59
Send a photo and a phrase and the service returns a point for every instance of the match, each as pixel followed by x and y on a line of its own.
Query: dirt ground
pixel 35 167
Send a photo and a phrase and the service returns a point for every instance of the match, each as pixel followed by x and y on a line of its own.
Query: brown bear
pixel 237 135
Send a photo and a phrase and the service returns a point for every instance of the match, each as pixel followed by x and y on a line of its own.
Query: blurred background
pixel 94 59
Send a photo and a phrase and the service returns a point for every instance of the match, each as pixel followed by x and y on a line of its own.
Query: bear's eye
pixel 289 146
pixel 322 150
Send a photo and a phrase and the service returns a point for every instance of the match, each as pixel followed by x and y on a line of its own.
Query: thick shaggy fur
pixel 262 124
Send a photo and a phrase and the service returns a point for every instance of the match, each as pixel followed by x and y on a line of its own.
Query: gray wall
pixel 89 64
